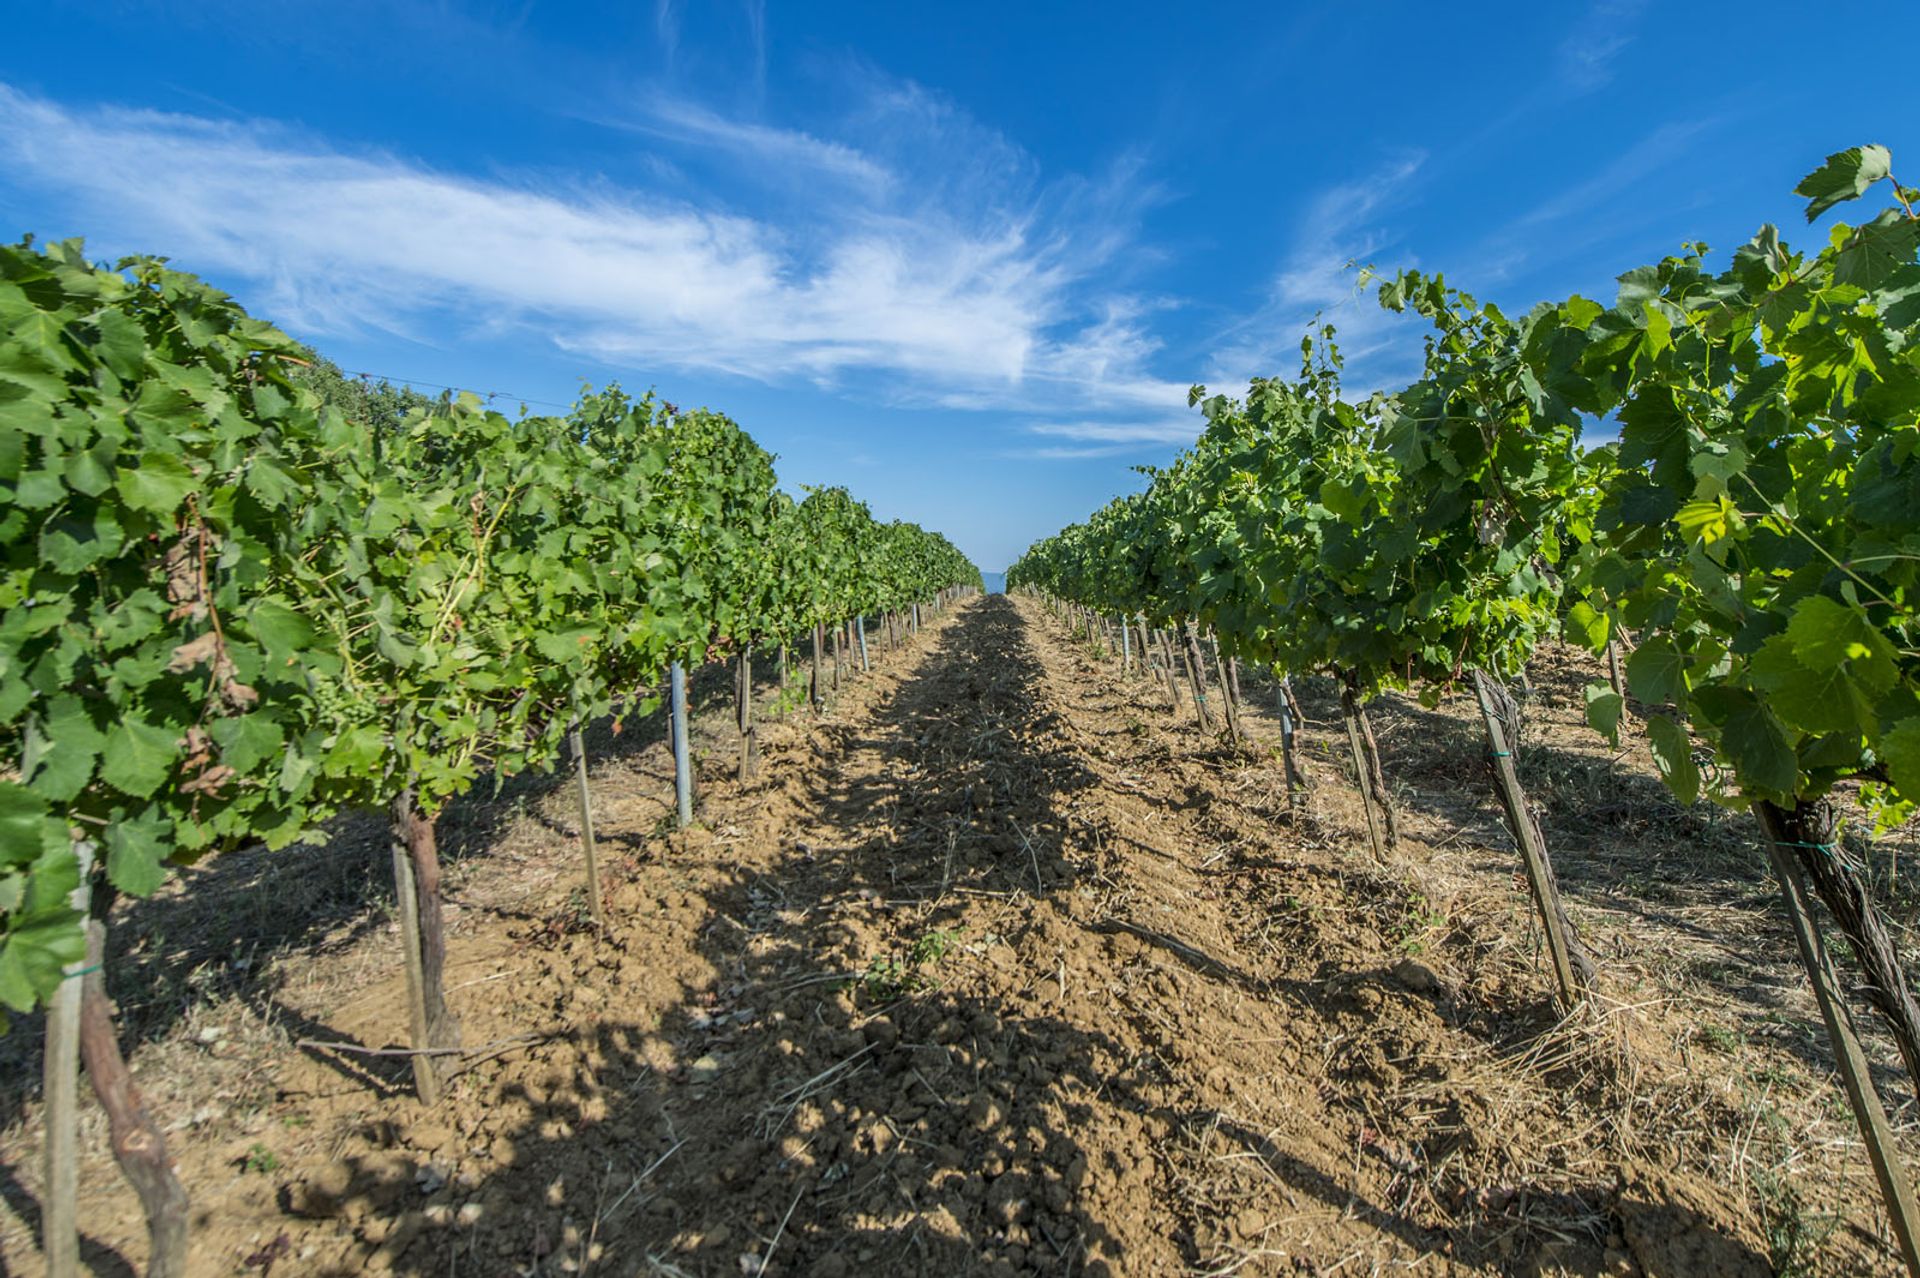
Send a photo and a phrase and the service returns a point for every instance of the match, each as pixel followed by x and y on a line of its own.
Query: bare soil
pixel 998 967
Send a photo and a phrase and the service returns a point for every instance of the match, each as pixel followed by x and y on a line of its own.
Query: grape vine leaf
pixel 1673 756
pixel 1845 176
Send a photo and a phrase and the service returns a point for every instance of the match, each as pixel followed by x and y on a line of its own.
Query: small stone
pixel 432 1178
pixel 438 1215
pixel 469 1215
pixel 706 1069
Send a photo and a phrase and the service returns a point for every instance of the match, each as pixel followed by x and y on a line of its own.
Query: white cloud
pixel 1586 56
pixel 759 144
pixel 992 298
pixel 1319 280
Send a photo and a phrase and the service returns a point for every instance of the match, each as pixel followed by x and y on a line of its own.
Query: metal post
pixel 860 627
pixel 682 760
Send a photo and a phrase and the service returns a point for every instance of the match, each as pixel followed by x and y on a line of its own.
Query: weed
pixel 1721 1038
pixel 1419 917
pixel 1793 1233
pixel 898 975
pixel 260 1159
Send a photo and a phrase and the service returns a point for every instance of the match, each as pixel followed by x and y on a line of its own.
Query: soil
pixel 998 967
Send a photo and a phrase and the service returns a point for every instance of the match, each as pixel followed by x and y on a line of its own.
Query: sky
pixel 964 259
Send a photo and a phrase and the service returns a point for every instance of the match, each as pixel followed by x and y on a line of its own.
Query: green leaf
pixel 1589 627
pixel 357 750
pixel 1900 750
pixel 279 628
pixel 1825 632
pixel 159 485
pixel 27 827
pixel 246 740
pixel 1604 708
pixel 1814 700
pixel 1875 253
pixel 34 955
pixel 63 763
pixel 1845 176
pixel 137 851
pixel 1753 739
pixel 122 345
pixel 1656 671
pixel 138 757
pixel 1673 756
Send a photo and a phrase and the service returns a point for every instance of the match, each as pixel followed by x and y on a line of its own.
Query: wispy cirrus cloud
pixel 991 299
pixel 1585 58
pixel 678 120
pixel 1318 281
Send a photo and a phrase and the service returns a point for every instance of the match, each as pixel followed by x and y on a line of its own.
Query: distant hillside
pixel 996 582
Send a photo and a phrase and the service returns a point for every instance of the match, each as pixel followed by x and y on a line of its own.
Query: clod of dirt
pixel 323 1193
pixel 1416 976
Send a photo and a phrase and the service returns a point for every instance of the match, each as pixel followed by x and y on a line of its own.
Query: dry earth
pixel 998 967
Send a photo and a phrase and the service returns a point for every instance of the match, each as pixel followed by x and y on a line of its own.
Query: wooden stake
pixel 60 1083
pixel 1288 761
pixel 1226 694
pixel 1349 711
pixel 819 639
pixel 1572 969
pixel 577 745
pixel 743 701
pixel 1895 1188
pixel 1190 654
pixel 1613 675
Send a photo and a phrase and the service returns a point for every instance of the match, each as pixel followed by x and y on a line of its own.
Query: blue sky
pixel 965 259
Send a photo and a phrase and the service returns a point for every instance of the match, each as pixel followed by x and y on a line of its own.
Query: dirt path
pixel 996 969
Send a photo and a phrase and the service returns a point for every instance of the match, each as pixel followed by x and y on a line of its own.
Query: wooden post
pixel 837 657
pixel 743 702
pixel 1167 667
pixel 1226 694
pixel 814 695
pixel 1126 646
pixel 1571 968
pixel 416 886
pixel 138 1145
pixel 60 1083
pixel 682 751
pixel 1350 712
pixel 577 745
pixel 1895 1188
pixel 1289 763
pixel 1613 676
pixel 1190 654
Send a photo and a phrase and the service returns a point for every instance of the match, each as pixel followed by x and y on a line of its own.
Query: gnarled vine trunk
pixel 138 1146
pixel 1810 832
pixel 416 875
